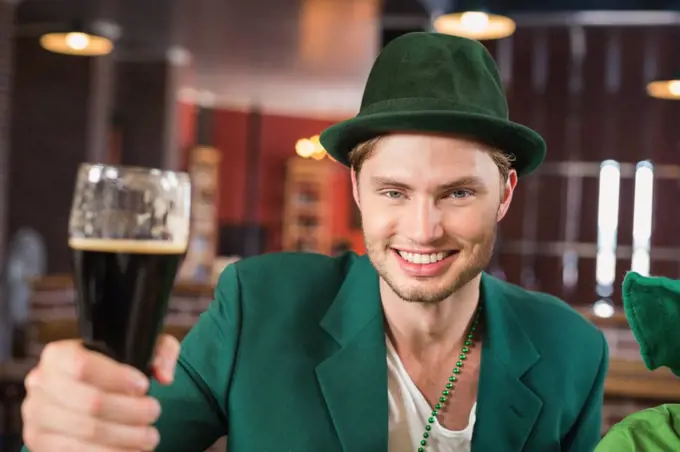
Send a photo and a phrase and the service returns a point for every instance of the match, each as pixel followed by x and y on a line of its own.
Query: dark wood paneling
pixel 608 121
pixel 665 148
pixel 143 105
pixel 6 30
pixel 48 139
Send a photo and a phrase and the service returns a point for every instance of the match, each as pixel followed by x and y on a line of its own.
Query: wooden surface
pixel 618 320
pixel 65 282
pixel 61 329
pixel 631 379
pixel 15 370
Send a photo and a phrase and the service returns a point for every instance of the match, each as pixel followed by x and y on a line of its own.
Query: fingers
pixel 40 441
pixel 80 397
pixel 165 361
pixel 73 360
pixel 53 418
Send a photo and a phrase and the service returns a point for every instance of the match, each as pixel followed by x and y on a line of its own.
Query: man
pixel 411 348
pixel 652 306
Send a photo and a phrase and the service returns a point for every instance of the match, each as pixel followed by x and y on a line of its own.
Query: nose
pixel 423 222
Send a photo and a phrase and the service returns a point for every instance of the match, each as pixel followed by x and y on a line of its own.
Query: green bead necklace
pixel 450 385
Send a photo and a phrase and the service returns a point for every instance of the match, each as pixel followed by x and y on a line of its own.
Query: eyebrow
pixel 464 182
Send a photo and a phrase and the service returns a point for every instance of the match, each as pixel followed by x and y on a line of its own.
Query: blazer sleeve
pixel 587 430
pixel 194 409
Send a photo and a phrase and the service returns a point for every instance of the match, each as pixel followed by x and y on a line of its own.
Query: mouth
pixel 423 264
pixel 424 258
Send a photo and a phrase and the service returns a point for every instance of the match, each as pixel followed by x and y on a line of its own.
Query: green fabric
pixel 652 430
pixel 438 83
pixel 291 356
pixel 652 306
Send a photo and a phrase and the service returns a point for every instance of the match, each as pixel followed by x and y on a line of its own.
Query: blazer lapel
pixel 353 379
pixel 507 408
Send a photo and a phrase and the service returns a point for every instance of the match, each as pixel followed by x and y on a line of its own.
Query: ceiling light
pixel 665 89
pixel 78 40
pixel 477 25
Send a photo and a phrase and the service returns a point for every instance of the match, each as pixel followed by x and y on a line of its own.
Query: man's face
pixel 429 208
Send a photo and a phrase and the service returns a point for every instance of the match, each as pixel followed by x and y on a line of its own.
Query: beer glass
pixel 128 234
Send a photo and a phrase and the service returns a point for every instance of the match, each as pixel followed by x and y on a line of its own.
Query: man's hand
pixel 81 400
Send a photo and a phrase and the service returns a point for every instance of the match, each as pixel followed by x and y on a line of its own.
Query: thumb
pixel 165 359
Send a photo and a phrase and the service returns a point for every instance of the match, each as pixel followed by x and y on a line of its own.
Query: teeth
pixel 418 258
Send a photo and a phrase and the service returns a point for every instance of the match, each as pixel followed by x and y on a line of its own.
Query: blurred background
pixel 236 93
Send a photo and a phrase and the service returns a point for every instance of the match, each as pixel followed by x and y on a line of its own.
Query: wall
pixel 278 135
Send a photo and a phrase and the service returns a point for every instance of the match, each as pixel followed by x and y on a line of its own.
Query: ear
pixel 506 198
pixel 355 187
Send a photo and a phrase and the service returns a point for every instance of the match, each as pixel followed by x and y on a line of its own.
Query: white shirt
pixel 409 411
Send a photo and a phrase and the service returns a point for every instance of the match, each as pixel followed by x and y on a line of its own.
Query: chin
pixel 423 295
pixel 416 290
pixel 437 289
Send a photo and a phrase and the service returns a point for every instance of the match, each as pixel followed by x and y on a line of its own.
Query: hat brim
pixel 525 144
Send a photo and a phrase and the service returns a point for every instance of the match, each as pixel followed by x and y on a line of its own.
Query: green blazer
pixel 291 357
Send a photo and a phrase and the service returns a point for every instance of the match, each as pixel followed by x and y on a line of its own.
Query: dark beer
pixel 123 288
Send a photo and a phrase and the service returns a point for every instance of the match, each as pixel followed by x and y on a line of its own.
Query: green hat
pixel 438 83
pixel 652 306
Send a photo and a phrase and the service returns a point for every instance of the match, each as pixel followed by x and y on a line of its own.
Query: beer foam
pixel 127 246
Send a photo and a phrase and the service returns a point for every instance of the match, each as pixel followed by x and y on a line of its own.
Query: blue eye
pixel 392 194
pixel 460 193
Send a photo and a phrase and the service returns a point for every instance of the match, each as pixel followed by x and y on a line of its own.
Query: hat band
pixel 414 104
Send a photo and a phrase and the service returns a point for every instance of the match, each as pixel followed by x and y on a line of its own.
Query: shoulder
pixel 294 269
pixel 285 264
pixel 286 277
pixel 650 429
pixel 574 354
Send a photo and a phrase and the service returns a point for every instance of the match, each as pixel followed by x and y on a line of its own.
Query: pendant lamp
pixel 79 40
pixel 475 24
pixel 665 89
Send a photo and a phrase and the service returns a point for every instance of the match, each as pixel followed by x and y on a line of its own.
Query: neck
pixel 425 328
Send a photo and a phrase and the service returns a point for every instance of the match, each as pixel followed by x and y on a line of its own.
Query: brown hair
pixel 366 149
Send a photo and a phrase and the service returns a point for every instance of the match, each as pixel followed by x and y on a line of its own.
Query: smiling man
pixel 410 348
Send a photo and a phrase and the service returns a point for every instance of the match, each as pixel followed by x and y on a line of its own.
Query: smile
pixel 424 265
pixel 424 258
